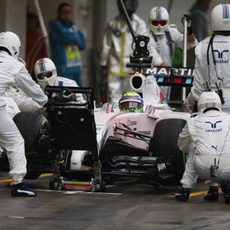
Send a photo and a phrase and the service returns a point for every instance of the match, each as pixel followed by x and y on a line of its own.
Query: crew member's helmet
pixel 220 17
pixel 45 72
pixel 131 102
pixel 11 42
pixel 208 100
pixel 158 20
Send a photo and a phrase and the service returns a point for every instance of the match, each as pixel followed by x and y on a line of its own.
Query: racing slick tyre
pixel 35 130
pixel 164 144
pixel 32 126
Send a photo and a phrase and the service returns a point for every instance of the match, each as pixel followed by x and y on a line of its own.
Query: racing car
pixel 144 144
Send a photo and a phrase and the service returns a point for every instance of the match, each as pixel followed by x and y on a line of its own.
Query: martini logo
pixel 163 71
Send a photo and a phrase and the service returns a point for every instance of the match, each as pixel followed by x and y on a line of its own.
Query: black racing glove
pixel 59 98
pixel 49 103
pixel 188 18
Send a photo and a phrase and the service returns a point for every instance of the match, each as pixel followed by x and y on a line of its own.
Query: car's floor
pixel 124 206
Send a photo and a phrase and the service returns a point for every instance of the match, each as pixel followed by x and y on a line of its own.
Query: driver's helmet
pixel 131 102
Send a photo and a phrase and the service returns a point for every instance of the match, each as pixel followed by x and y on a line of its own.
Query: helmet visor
pixel 47 74
pixel 160 22
pixel 130 106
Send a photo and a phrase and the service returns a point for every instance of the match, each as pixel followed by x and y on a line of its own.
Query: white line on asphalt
pixel 16 217
pixel 78 192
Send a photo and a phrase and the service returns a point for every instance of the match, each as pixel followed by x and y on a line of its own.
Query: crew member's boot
pixel 225 187
pixel 183 194
pixel 213 194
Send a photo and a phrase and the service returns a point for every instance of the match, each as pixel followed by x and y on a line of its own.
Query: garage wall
pixel 179 8
pixel 13 18
pixel 2 15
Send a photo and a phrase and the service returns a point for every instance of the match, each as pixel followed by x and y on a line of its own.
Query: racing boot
pixel 225 187
pixel 22 190
pixel 183 194
pixel 213 194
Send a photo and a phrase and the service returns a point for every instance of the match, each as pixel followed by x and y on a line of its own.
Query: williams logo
pixel 220 56
pixel 213 127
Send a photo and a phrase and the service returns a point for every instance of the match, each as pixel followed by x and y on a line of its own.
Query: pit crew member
pixel 46 74
pixel 212 60
pixel 206 137
pixel 13 73
pixel 164 38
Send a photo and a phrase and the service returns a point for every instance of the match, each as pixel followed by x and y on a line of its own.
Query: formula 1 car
pixel 144 145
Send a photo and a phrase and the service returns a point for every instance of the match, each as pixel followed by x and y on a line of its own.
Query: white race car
pixel 143 144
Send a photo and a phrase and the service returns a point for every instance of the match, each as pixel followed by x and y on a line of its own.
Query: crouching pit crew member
pixel 206 137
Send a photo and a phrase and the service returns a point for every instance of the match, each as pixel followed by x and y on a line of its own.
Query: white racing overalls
pixel 206 137
pixel 13 73
pixel 213 73
pixel 26 103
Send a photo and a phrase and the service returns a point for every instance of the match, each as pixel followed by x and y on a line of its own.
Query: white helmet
pixel 208 100
pixel 11 42
pixel 45 72
pixel 220 17
pixel 158 20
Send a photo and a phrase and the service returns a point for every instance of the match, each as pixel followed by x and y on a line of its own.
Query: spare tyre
pixel 164 144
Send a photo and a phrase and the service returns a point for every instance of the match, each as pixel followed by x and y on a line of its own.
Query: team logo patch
pixel 213 127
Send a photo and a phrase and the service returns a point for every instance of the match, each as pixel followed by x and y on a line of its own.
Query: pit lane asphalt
pixel 123 206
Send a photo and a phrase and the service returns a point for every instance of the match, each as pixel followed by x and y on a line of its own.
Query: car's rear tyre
pixel 35 131
pixel 32 127
pixel 164 144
